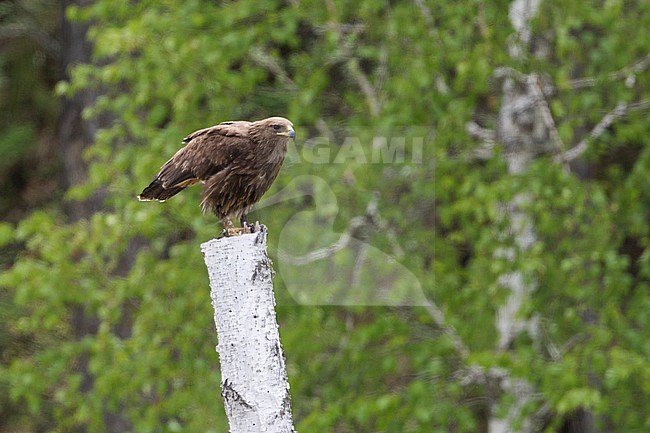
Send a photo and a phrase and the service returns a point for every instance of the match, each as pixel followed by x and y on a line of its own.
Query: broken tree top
pixel 254 382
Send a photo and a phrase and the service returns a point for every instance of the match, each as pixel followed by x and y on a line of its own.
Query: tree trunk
pixel 522 131
pixel 254 383
pixel 75 134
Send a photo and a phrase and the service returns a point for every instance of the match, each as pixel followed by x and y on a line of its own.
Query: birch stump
pixel 254 383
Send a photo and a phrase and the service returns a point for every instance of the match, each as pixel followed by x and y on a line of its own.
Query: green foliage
pixel 134 270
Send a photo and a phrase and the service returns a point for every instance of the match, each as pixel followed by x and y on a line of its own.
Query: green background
pixel 106 318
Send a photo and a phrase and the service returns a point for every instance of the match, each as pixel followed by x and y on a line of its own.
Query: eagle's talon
pixel 248 228
pixel 233 231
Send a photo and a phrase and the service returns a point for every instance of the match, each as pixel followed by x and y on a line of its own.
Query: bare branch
pixel 323 253
pixel 485 152
pixel 360 261
pixel 364 84
pixel 486 135
pixel 426 13
pixel 439 318
pixel 521 12
pixel 383 73
pixel 346 43
pixel 340 28
pixel 264 60
pixel 427 16
pixel 342 242
pixel 477 131
pixel 482 21
pixel 536 87
pixel 622 74
pixel 508 72
pixel 557 353
pixel 323 128
pixel 476 374
pixel 619 111
pixel 372 213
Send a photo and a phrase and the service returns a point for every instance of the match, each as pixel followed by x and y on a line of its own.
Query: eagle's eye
pixel 276 127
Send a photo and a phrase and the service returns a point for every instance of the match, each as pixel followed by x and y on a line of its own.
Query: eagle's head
pixel 273 128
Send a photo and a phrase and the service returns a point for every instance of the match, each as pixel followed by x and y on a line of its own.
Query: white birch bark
pixel 519 153
pixel 522 130
pixel 254 383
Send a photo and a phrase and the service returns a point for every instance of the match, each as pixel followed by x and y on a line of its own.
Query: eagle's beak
pixel 290 133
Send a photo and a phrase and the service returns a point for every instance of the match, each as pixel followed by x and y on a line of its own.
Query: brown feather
pixel 238 161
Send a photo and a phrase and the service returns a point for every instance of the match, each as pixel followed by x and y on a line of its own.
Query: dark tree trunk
pixel 75 134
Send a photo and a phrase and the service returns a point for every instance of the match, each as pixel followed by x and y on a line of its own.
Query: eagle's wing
pixel 207 152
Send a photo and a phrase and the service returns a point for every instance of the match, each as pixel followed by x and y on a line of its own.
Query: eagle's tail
pixel 156 191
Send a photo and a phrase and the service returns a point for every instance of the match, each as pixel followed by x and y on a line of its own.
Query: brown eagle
pixel 235 161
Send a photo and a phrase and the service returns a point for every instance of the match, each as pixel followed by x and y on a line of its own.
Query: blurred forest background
pixel 522 227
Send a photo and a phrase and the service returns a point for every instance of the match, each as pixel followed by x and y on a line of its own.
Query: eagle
pixel 236 161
